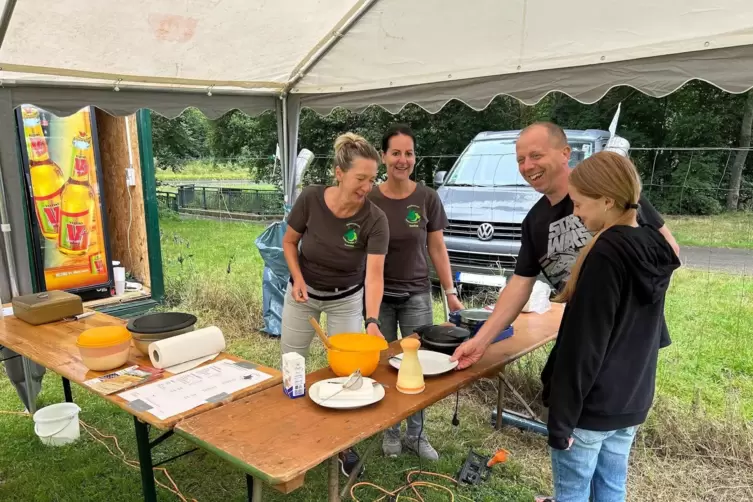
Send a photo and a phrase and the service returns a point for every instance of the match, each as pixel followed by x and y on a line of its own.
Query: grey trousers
pixel 15 371
pixel 343 316
pixel 415 312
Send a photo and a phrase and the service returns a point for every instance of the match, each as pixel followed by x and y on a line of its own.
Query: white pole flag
pixel 613 125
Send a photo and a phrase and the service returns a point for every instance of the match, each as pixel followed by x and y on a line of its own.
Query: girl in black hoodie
pixel 600 376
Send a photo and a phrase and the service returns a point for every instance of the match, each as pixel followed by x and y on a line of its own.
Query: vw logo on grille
pixel 485 232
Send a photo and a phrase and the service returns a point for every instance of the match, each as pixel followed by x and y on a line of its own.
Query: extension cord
pixel 390 496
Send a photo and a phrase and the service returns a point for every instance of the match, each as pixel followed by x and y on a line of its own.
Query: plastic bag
pixel 275 276
pixel 269 244
pixel 273 300
pixel 539 300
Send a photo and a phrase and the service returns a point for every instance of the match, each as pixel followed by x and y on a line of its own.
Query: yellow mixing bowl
pixel 352 351
pixel 104 348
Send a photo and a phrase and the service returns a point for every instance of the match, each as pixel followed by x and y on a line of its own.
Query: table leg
pixel 145 461
pixel 253 487
pixel 257 491
pixel 500 398
pixel 67 390
pixel 345 492
pixel 334 480
pixel 29 385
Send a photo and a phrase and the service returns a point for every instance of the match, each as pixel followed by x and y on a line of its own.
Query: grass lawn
pixel 250 186
pixel 213 269
pixel 204 170
pixel 727 230
pixel 218 175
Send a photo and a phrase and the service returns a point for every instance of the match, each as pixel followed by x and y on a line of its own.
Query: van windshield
pixel 487 164
pixel 495 164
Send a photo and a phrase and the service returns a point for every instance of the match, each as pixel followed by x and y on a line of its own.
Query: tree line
pixel 691 146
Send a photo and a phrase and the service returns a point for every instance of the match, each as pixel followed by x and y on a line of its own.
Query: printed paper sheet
pixel 180 393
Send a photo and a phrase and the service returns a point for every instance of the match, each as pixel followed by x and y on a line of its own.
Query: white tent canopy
pixel 391 52
pixel 219 55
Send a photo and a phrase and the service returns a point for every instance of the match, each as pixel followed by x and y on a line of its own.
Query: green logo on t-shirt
pixel 413 217
pixel 351 234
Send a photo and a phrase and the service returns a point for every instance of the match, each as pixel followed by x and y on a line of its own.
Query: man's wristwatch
pixel 451 291
pixel 372 320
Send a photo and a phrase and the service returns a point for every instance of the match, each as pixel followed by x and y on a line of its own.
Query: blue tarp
pixel 275 276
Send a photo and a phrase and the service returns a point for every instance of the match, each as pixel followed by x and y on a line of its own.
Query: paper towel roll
pixel 183 352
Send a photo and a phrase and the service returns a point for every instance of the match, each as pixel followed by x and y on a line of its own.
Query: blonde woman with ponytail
pixel 335 247
pixel 600 377
pixel 606 173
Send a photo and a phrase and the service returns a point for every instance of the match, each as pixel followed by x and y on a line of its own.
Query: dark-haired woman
pixel 416 220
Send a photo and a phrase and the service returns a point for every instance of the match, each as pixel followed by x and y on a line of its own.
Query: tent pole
pixel 5 226
pixel 7 13
pixel 285 151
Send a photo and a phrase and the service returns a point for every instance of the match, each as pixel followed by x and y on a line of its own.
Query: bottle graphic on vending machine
pixel 44 116
pixel 77 202
pixel 46 177
pixel 96 259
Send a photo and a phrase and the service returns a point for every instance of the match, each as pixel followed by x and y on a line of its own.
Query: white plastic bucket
pixel 57 424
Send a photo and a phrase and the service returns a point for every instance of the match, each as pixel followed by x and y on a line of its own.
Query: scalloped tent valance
pixel 219 55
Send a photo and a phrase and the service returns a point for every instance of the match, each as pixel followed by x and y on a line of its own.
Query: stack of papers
pixel 123 379
pixel 186 391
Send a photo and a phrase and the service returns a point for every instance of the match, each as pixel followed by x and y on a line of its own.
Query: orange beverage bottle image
pixel 77 202
pixel 46 177
pixel 96 260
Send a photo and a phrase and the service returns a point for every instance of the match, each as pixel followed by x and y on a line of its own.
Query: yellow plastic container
pixel 352 351
pixel 104 348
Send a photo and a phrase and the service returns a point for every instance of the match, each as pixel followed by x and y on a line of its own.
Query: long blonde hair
pixel 604 174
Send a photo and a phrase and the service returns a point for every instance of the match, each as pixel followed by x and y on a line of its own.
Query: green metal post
pixel 151 210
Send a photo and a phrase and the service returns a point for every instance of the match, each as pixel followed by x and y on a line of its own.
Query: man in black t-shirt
pixel 551 235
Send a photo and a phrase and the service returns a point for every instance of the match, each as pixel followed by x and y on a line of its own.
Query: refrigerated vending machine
pixel 63 173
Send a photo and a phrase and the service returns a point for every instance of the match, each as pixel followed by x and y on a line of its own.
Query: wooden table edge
pixel 167 424
pixel 515 357
pixel 276 482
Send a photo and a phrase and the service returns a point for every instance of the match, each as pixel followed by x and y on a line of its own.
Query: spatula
pixel 320 332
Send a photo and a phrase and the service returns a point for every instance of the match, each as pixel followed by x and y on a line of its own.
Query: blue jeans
pixel 596 459
pixel 413 313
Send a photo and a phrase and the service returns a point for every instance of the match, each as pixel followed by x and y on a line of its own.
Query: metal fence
pixel 167 200
pixel 223 199
pixel 676 180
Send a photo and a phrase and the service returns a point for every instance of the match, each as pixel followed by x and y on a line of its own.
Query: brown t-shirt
pixel 406 268
pixel 333 250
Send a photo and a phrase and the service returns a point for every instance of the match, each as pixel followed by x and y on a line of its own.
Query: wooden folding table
pixel 54 347
pixel 277 440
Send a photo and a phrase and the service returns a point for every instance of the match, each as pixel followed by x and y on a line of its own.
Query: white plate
pixel 345 404
pixel 432 363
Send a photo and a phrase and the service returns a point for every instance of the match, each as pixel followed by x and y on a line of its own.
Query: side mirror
pixel 439 178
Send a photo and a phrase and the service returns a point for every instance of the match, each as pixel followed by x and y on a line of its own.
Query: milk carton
pixel 294 374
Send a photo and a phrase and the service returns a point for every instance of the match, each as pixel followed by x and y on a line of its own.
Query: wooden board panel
pixel 125 205
pixel 54 347
pixel 263 434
